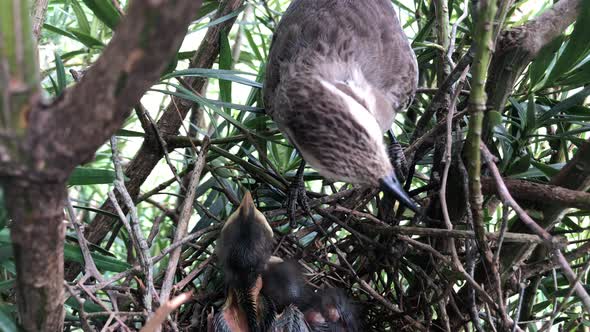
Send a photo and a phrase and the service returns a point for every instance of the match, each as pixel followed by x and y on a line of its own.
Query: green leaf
pixel 577 48
pixel 563 106
pixel 6 251
pixel 83 24
pixel 72 252
pixel 207 8
pixel 87 176
pixel 105 11
pixel 228 75
pixel 546 169
pixel 531 117
pixel 6 285
pixel 59 31
pixel 86 39
pixel 540 66
pixel 68 55
pixel 186 55
pixel 225 63
pixel 53 84
pixel 222 19
pixel 577 77
pixel 253 45
pixel 129 133
pixel 214 104
pixel 495 118
pixel 89 306
pixel 571 224
pixel 61 74
pixel 522 112
pixel 99 211
pixel 77 35
pixel 7 321
pixel 539 170
pixel 521 165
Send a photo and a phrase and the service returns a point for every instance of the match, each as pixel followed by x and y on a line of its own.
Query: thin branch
pixel 81 312
pixel 38 13
pixel 181 228
pixel 139 241
pixel 447 158
pixel 561 307
pixel 558 256
pixel 146 158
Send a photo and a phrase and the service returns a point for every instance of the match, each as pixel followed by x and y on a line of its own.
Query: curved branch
pixel 517 47
pixel 71 129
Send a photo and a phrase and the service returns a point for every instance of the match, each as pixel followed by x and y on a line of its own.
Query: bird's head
pixel 245 245
pixel 337 124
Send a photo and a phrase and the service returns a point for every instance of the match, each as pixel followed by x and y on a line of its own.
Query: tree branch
pixel 53 139
pixel 535 228
pixel 540 193
pixel 147 157
pixel 134 59
pixel 38 13
pixel 182 227
pixel 517 47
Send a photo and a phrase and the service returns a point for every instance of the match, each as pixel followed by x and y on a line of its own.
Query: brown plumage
pixel 338 71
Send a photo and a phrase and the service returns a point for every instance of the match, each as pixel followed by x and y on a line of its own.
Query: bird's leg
pixel 397 156
pixel 297 194
pixel 400 167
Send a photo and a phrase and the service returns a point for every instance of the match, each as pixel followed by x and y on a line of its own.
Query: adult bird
pixel 338 72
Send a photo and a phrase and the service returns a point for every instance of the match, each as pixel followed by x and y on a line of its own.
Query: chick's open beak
pixel 392 185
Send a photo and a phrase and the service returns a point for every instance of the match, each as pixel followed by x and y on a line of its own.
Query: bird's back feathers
pixel 363 36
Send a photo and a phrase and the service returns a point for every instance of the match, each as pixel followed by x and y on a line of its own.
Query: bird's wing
pixel 366 32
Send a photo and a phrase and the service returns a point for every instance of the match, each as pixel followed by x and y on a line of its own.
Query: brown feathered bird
pixel 337 73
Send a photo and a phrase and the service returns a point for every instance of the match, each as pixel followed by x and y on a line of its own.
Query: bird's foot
pixel 297 195
pixel 397 157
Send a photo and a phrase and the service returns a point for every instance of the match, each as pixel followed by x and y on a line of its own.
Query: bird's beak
pixel 247 202
pixel 392 185
pixel 248 208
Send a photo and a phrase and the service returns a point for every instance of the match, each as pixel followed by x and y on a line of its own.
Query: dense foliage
pixel 399 267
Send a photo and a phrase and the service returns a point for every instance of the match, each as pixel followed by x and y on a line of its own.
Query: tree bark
pixel 55 138
pixel 148 156
pixel 37 238
pixel 574 176
pixel 517 47
pixel 38 13
pixel 545 194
